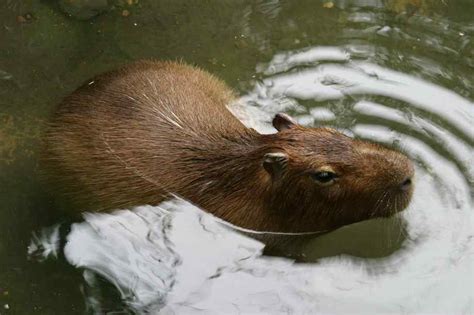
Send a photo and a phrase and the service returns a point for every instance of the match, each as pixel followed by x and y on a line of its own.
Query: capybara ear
pixel 275 164
pixel 283 121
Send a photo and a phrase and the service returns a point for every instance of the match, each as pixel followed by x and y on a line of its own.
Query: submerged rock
pixel 85 9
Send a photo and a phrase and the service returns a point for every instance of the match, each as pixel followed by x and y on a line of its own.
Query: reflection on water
pixel 398 72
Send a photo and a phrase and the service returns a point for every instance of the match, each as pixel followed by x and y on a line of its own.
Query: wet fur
pixel 151 129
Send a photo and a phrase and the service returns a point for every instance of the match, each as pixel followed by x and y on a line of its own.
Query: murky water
pixel 398 72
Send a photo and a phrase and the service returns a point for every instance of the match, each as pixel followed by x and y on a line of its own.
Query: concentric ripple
pixel 176 259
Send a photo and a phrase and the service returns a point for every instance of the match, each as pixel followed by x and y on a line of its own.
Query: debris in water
pixel 328 5
pixel 84 9
pixel 24 18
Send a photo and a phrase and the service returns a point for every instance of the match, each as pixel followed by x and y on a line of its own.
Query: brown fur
pixel 136 135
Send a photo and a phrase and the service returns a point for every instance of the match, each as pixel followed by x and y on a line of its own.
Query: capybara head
pixel 331 179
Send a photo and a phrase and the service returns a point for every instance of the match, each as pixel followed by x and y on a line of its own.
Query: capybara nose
pixel 406 184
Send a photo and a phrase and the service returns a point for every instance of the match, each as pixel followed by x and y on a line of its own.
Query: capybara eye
pixel 324 178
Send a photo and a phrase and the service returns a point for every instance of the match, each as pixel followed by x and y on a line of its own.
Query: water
pixel 397 72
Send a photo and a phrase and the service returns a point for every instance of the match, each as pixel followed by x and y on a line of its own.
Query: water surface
pixel 396 72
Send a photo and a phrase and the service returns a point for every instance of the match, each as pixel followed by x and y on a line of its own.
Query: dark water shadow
pixel 368 239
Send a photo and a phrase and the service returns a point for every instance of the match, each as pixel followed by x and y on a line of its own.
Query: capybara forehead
pixel 316 147
pixel 318 143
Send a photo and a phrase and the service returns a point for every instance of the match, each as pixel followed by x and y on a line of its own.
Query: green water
pixel 45 54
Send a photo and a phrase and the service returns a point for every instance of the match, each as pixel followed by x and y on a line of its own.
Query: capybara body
pixel 151 130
